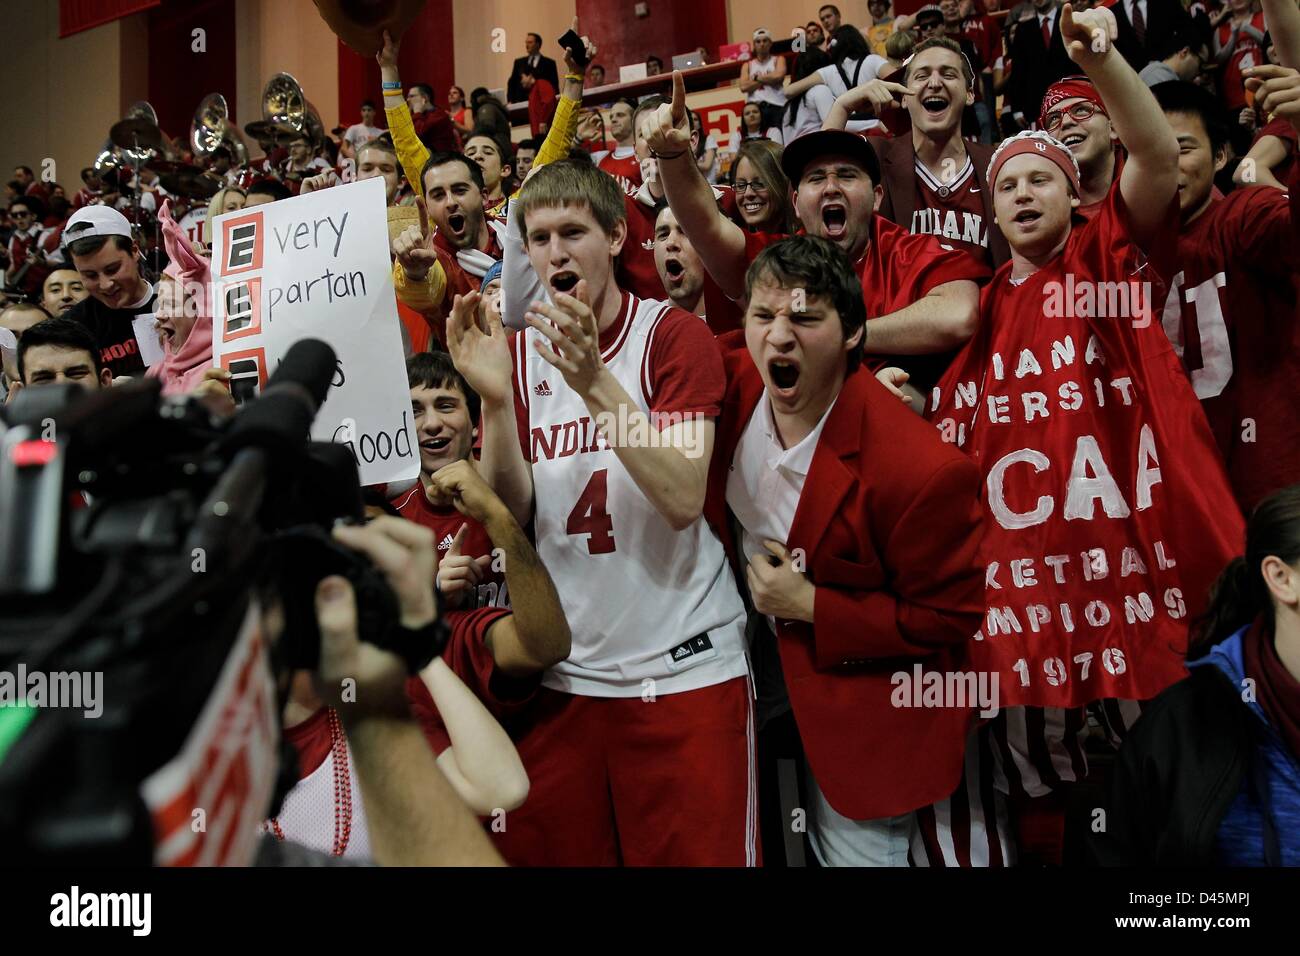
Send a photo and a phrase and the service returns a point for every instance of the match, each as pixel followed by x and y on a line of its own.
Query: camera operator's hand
pixel 404 552
pixel 376 678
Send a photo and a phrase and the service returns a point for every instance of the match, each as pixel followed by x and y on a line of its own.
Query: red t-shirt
pixel 1245 54
pixel 983 33
pixel 435 131
pixel 468 657
pixel 415 506
pixel 1110 515
pixel 541 105
pixel 1234 317
pixel 896 269
pixel 625 169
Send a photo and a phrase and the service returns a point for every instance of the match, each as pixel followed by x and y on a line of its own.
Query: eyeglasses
pixel 759 187
pixel 1079 112
pixel 20 214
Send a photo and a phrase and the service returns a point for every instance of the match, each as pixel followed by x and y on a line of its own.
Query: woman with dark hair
pixel 806 111
pixel 1211 773
pixel 852 64
pixel 762 190
pixel 751 123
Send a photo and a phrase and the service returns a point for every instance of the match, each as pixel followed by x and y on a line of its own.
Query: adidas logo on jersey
pixel 445 543
pixel 542 388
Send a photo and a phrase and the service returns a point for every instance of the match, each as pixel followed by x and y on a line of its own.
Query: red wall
pixel 427 56
pixel 673 27
pixel 179 78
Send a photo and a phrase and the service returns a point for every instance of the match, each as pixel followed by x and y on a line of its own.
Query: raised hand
pixel 481 355
pixel 1277 92
pixel 316 183
pixel 571 65
pixel 459 574
pixel 668 129
pixel 1088 35
pixel 412 248
pixel 571 327
pixel 874 93
pixel 387 55
pixel 460 484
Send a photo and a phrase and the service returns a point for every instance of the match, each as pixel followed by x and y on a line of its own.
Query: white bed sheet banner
pixel 317 266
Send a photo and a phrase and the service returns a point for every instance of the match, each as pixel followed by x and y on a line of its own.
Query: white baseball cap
pixel 99 220
pixel 762 33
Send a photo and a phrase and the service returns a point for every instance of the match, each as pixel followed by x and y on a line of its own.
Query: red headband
pixel 1070 88
pixel 1035 143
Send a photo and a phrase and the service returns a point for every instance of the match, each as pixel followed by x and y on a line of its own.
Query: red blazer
pixel 890 523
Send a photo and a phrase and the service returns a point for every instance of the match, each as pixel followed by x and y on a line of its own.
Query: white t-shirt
pixel 811 114
pixel 358 134
pixel 765 93
pixel 871 66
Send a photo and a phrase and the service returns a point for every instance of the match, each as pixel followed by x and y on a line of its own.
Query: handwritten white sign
pixel 317 266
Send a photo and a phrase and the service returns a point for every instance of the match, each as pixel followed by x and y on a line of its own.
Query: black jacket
pixel 1163 18
pixel 1035 67
pixel 1176 775
pixel 545 70
pixel 113 332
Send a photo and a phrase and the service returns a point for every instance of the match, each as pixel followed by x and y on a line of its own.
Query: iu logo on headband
pixel 1041 147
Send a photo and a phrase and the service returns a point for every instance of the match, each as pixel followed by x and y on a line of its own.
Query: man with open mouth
pixel 934 178
pixel 598 424
pixel 1086 454
pixel 921 295
pixel 432 268
pixel 860 570
pixel 1074 114
pixel 680 269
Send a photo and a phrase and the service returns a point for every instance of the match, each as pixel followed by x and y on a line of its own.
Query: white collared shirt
pixel 766 479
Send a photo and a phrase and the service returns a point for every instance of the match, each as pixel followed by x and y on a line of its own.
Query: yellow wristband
pixel 573 76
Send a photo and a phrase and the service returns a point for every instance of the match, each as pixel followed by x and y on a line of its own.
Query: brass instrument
pixel 212 128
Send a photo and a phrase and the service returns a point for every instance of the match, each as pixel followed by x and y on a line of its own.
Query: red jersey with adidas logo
pixel 445 522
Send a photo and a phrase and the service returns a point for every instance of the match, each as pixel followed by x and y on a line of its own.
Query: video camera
pixel 141 539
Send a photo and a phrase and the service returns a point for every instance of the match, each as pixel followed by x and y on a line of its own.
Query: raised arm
pixel 1149 181
pixel 719 241
pixel 484 358
pixel 410 151
pixel 414 816
pixel 874 93
pixel 536 636
pixel 941 320
pixel 795 87
pixel 1282 18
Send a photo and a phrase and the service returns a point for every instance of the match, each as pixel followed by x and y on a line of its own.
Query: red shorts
pixel 623 781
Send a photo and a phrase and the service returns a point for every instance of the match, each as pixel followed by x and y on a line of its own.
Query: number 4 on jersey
pixel 589 516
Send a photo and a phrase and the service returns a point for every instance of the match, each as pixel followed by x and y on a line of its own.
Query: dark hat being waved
pixel 828 142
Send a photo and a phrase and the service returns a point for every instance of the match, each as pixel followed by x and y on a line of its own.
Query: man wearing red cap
pixel 1110 513
pixel 921 293
pixel 1075 115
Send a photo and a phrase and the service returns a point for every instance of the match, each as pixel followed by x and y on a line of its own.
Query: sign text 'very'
pixel 306 235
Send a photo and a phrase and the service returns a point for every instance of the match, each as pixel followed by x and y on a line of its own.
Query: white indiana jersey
pixel 309 813
pixel 644 602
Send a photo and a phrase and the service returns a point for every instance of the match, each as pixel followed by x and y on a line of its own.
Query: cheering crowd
pixel 915 500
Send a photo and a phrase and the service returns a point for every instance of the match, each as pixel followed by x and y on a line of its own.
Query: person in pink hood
pixel 184 319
